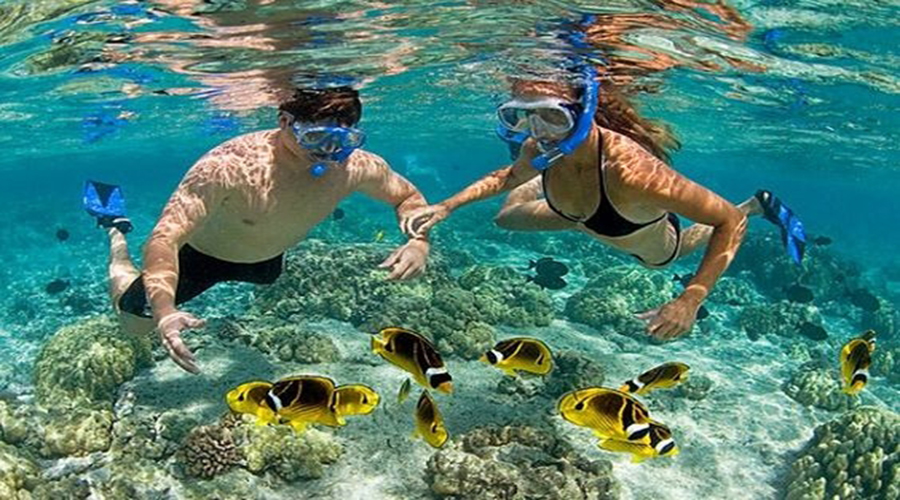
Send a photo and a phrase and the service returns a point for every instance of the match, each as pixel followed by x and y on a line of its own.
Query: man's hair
pixel 340 105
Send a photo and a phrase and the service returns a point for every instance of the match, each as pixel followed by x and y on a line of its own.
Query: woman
pixel 593 165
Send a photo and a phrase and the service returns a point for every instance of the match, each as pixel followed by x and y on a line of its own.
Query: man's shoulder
pixel 242 144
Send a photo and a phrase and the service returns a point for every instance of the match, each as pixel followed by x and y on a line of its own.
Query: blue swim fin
pixel 106 203
pixel 792 233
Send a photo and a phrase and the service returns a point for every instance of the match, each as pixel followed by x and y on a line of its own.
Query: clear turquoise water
pixel 819 126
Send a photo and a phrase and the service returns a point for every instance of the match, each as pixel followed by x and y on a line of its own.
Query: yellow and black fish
pixel 353 399
pixel 611 414
pixel 663 376
pixel 415 354
pixel 856 356
pixel 429 422
pixel 250 398
pixel 520 353
pixel 660 444
pixel 303 400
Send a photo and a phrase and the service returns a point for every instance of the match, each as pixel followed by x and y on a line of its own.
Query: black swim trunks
pixel 197 273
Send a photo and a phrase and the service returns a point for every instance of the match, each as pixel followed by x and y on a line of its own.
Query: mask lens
pixel 353 138
pixel 555 118
pixel 515 119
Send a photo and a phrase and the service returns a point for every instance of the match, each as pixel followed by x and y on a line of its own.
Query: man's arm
pixel 373 177
pixel 376 179
pixel 187 209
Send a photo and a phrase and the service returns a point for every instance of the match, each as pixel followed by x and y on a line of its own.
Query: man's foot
pixel 106 203
pixel 792 233
pixel 123 224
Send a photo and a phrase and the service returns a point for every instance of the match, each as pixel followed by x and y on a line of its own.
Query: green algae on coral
pixel 87 362
pixel 812 385
pixel 287 454
pixel 517 462
pixel 783 319
pixel 610 300
pixel 458 315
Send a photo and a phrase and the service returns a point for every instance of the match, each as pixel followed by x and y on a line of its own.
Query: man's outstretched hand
pixel 170 328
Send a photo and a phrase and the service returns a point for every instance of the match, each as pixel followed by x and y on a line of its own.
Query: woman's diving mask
pixel 549 118
pixel 327 144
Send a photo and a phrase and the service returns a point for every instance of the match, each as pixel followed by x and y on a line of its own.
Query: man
pixel 242 205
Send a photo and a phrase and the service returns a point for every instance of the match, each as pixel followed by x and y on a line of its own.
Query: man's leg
pixel 698 235
pixel 122 274
pixel 525 210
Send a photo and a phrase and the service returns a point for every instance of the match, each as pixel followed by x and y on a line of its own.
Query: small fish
pixel 702 313
pixel 429 422
pixel 799 294
pixel 303 400
pixel 661 444
pixel 663 376
pixel 412 352
pixel 813 331
pixel 56 286
pixel 520 353
pixel 62 234
pixel 545 282
pixel 865 300
pixel 338 214
pixel 378 236
pixel 822 241
pixel 611 414
pixel 856 356
pixel 549 267
pixel 684 280
pixel 404 390
pixel 353 399
pixel 250 398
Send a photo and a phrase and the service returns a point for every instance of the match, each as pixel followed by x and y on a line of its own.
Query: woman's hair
pixel 615 112
pixel 340 105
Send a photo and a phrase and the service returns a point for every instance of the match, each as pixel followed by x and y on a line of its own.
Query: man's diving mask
pixel 327 144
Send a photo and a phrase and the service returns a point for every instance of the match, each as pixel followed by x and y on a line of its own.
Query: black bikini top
pixel 606 221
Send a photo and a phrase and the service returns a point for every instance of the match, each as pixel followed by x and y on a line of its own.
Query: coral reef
pixel 763 259
pixel 77 432
pixel 572 371
pixel 734 292
pixel 783 319
pixel 290 342
pixel 18 474
pixel 814 385
pixel 15 422
pixel 696 388
pixel 210 450
pixel 289 455
pixel 854 456
pixel 609 301
pixel 886 361
pixel 517 463
pixel 883 321
pixel 87 361
pixel 344 283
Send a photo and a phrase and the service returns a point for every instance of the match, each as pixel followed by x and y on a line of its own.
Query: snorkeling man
pixel 588 162
pixel 242 205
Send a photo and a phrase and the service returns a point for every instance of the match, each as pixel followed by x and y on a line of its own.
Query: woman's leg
pixel 698 235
